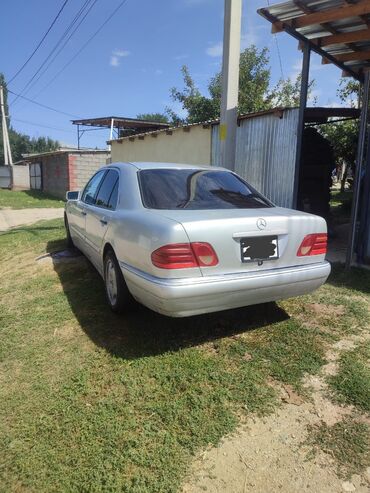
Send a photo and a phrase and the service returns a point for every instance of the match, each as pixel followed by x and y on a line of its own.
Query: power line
pixel 75 19
pixel 278 50
pixel 40 42
pixel 83 46
pixel 43 126
pixel 43 105
pixel 66 41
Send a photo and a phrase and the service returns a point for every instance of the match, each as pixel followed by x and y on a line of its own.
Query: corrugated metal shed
pixel 265 153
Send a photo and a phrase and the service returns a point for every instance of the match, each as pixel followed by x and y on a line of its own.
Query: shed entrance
pixel 35 176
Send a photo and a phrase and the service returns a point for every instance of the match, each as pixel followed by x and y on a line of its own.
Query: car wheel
pixel 70 243
pixel 116 290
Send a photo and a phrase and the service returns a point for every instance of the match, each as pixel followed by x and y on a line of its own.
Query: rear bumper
pixel 193 296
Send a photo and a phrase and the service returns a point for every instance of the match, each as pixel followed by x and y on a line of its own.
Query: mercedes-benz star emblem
pixel 261 223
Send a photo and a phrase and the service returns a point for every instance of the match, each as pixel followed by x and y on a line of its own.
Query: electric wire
pixel 62 47
pixel 278 50
pixel 43 105
pixel 40 42
pixel 83 46
pixel 56 46
pixel 43 126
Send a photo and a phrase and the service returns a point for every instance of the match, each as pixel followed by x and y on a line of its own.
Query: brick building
pixel 56 172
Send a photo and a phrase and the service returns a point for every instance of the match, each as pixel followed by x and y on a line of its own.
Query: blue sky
pixel 130 66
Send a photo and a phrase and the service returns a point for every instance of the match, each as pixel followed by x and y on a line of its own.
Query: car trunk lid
pixel 232 232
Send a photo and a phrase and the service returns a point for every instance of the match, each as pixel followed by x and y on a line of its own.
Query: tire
pixel 70 243
pixel 118 296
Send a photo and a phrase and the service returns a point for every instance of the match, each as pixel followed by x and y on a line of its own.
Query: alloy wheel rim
pixel 111 282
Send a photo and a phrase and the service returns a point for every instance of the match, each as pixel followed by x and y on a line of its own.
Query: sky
pixel 129 67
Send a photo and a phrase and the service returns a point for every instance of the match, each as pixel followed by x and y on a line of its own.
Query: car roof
pixel 152 165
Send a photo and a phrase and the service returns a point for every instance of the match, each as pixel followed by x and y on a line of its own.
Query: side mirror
pixel 72 195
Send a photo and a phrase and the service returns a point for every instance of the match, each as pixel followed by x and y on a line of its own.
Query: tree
pixel 153 117
pixel 22 143
pixel 254 93
pixel 343 135
pixel 287 92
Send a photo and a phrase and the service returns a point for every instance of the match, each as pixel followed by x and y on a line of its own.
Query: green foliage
pixel 352 382
pixel 153 117
pixel 254 92
pixel 287 92
pixel 22 143
pixel 25 199
pixel 343 136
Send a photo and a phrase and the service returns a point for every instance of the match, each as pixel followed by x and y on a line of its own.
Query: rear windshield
pixel 197 189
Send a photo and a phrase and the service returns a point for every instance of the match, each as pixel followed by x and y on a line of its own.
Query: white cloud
pixel 115 59
pixel 180 57
pixel 215 50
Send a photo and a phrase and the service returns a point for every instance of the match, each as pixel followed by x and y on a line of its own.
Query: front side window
pixel 89 193
pixel 108 191
pixel 197 189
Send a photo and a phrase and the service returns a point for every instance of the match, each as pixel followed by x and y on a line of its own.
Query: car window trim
pixel 97 193
pixel 87 184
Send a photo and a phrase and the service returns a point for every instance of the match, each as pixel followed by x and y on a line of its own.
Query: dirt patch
pixel 271 454
pixel 327 310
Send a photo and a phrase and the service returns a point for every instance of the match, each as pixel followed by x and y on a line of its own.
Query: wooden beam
pixel 330 15
pixel 349 57
pixel 343 38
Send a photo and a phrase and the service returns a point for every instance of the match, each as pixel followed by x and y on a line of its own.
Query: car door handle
pixel 104 222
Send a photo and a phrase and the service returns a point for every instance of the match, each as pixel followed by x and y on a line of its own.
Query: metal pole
pixel 359 160
pixel 111 132
pixel 300 127
pixel 230 82
pixel 78 136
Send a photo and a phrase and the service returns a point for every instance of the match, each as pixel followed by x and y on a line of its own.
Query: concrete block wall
pixel 83 165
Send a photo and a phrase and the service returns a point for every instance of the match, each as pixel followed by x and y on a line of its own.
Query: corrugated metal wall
pixel 265 154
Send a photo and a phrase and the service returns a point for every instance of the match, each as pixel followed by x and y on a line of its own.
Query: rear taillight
pixel 314 244
pixel 184 256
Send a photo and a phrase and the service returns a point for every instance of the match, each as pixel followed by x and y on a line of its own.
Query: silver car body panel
pixel 134 232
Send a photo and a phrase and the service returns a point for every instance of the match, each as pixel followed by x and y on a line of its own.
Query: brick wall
pixel 69 170
pixel 83 166
pixel 55 176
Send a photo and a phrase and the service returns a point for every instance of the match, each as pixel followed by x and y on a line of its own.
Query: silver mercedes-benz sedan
pixel 184 240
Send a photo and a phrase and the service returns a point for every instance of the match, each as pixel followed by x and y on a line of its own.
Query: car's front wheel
pixel 117 293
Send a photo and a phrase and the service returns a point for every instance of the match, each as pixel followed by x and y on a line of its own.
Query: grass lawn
pixel 92 402
pixel 26 199
pixel 352 382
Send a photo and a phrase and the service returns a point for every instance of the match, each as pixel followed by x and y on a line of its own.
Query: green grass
pixel 348 442
pixel 352 382
pixel 94 402
pixel 26 199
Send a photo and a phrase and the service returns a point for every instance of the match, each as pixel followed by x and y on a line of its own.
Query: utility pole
pixel 230 82
pixel 6 145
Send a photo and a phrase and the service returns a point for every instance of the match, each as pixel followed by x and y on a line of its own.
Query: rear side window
pixel 89 193
pixel 197 189
pixel 108 188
